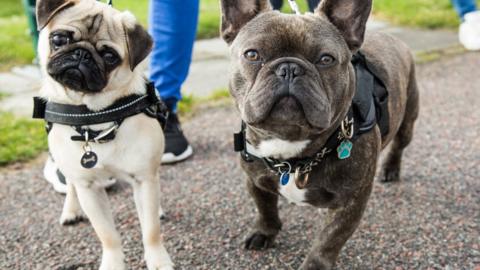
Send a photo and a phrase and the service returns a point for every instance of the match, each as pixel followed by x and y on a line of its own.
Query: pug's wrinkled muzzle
pixel 78 70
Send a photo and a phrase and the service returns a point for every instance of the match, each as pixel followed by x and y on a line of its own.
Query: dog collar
pixel 79 117
pixel 341 142
pixel 369 108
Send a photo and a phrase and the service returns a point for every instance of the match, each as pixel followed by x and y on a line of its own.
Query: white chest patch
pixel 292 193
pixel 280 148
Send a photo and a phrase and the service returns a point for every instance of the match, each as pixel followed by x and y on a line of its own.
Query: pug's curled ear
pixel 237 13
pixel 350 17
pixel 139 45
pixel 47 9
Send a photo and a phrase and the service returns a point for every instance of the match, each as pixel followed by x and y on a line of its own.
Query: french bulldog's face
pixel 291 74
pixel 89 43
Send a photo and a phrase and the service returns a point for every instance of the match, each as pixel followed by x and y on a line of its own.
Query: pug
pixel 293 83
pixel 92 56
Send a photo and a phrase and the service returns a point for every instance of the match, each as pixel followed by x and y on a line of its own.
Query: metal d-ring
pixel 301 180
pixel 280 165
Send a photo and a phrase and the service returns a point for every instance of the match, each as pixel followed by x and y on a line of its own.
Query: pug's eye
pixel 252 55
pixel 326 60
pixel 110 57
pixel 59 40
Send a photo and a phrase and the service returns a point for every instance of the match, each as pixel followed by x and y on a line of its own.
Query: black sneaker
pixel 177 147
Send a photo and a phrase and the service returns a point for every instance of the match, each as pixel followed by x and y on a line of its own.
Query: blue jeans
pixel 173 26
pixel 464 6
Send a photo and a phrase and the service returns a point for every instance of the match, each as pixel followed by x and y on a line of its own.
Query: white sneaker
pixel 55 177
pixel 469 32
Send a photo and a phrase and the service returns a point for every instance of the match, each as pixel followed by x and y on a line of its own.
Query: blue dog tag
pixel 284 178
pixel 344 149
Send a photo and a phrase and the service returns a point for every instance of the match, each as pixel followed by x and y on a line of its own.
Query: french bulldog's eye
pixel 326 60
pixel 59 40
pixel 252 55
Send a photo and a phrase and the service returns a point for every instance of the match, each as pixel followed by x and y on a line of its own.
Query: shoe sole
pixel 169 158
pixel 50 174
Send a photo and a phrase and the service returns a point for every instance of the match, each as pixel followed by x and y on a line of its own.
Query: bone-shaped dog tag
pixel 89 160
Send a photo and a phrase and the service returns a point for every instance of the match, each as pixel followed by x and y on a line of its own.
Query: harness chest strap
pixel 78 116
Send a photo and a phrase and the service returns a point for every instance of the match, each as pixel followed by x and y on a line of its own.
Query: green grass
pixel 190 104
pixel 21 139
pixel 3 95
pixel 15 43
pixel 11 8
pixel 417 13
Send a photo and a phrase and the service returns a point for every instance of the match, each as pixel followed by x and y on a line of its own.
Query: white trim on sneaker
pixel 169 158
pixel 469 31
pixel 50 174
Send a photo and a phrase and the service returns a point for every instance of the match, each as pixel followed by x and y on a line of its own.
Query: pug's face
pixel 292 77
pixel 89 43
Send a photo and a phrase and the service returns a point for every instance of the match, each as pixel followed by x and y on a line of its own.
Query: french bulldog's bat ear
pixel 47 9
pixel 236 13
pixel 139 45
pixel 349 16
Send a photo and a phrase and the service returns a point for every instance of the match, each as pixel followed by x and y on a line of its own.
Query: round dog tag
pixel 89 160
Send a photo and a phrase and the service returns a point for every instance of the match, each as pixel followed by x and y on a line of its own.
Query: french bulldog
pixel 93 55
pixel 293 84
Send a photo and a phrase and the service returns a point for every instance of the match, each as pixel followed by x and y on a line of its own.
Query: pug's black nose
pixel 288 71
pixel 82 55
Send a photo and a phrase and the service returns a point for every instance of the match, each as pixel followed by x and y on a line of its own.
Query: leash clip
pixel 294 6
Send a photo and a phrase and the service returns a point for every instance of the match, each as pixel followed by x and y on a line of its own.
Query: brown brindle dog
pixel 293 83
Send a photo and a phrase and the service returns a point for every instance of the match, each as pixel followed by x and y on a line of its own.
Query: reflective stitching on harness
pixel 98 113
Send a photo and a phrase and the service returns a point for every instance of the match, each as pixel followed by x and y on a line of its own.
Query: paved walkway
pixel 209 70
pixel 429 220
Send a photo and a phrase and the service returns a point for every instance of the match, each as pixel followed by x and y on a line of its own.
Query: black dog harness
pixel 79 116
pixel 369 108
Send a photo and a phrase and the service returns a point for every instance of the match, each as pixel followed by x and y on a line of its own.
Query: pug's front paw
pixel 72 217
pixel 259 241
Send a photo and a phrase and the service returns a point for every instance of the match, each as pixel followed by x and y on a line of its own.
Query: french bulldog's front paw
pixel 259 241
pixel 315 264
pixel 390 175
pixel 157 258
pixel 72 218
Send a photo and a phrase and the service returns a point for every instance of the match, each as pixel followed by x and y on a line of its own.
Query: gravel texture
pixel 429 220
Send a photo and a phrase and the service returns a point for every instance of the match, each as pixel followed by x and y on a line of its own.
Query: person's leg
pixel 464 6
pixel 312 4
pixel 173 27
pixel 276 4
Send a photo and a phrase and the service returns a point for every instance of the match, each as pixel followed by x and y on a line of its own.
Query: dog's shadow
pixel 79 266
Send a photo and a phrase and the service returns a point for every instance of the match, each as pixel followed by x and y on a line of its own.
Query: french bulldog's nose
pixel 288 71
pixel 82 55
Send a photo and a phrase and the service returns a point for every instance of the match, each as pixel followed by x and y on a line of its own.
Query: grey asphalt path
pixel 429 220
